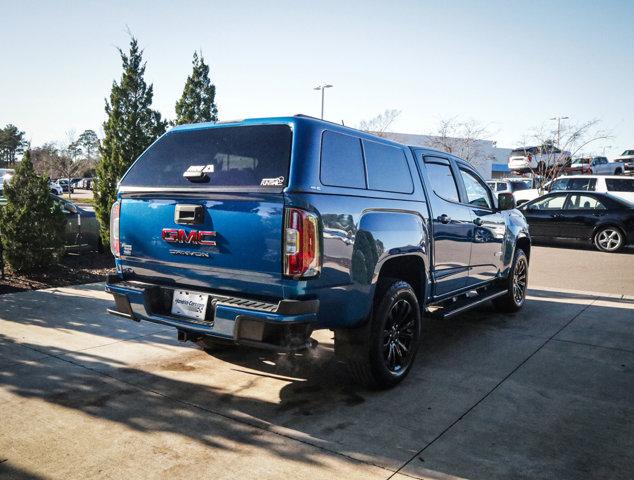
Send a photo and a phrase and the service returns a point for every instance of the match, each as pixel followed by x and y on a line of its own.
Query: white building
pixel 485 155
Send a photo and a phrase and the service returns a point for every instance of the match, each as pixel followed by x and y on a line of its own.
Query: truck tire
pixel 381 354
pixel 516 284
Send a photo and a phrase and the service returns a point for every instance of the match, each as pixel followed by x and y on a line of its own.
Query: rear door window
pixel 620 184
pixel 342 161
pixel 441 178
pixel 387 168
pixel 244 157
pixel 584 202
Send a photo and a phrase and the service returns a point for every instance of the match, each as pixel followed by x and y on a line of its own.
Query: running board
pixel 443 313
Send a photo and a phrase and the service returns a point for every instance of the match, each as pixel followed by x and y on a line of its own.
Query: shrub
pixel 31 224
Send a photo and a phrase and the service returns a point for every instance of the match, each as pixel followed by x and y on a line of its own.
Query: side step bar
pixel 445 312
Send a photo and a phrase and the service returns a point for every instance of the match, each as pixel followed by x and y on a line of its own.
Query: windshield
pixel 249 157
pixel 522 151
pixel 628 152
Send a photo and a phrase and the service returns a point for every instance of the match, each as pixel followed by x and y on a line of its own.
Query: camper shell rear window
pixel 249 157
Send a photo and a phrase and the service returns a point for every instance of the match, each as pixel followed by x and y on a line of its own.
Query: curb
pixel 615 296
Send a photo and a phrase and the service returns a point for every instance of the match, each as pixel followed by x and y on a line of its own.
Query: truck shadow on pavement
pixel 286 405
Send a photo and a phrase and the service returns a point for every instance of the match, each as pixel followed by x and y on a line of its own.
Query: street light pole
pixel 559 119
pixel 322 88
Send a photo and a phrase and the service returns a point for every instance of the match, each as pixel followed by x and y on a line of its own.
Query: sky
pixel 509 65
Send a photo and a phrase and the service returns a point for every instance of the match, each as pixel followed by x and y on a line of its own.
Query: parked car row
pixel 537 159
pixel 525 190
pixel 83 183
pixel 544 158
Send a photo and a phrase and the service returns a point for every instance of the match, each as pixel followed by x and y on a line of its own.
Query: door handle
pixel 478 221
pixel 556 215
pixel 444 218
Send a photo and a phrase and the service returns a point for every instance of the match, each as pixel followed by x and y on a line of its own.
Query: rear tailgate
pixel 204 207
pixel 236 246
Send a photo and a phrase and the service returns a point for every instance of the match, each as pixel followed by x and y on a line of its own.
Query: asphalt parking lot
pixel 546 393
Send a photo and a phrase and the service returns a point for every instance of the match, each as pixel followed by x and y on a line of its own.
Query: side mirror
pixel 506 201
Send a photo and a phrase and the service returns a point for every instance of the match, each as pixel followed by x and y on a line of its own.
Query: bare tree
pixel 65 162
pixel 562 145
pixel 461 138
pixel 378 125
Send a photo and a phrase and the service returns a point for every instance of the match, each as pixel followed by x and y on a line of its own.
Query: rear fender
pixel 384 235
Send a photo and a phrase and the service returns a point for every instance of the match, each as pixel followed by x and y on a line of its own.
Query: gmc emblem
pixel 197 237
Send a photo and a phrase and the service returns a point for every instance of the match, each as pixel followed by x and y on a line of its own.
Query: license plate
pixel 189 304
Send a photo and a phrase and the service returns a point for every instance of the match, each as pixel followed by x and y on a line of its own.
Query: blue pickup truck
pixel 259 232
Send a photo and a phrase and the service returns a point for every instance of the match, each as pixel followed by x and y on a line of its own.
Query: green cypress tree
pixel 198 102
pixel 131 127
pixel 32 225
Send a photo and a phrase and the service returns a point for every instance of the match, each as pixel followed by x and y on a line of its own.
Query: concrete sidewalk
pixel 546 393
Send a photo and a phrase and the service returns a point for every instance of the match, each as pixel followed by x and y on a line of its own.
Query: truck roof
pixel 305 121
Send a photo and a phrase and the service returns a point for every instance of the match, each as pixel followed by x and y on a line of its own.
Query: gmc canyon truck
pixel 261 231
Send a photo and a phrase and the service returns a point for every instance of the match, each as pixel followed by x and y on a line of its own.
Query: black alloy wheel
pixel 399 336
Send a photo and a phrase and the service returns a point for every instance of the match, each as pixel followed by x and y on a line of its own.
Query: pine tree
pixel 197 104
pixel 31 224
pixel 131 127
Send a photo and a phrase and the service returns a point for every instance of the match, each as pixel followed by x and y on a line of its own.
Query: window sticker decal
pixel 272 182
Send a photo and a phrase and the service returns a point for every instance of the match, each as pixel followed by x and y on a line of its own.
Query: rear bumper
pixel 283 326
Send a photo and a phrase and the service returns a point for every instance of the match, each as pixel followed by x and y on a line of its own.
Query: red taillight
pixel 115 244
pixel 302 256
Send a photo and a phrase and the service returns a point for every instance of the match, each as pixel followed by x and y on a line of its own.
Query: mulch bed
pixel 86 267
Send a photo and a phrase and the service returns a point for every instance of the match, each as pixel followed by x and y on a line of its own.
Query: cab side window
pixel 342 161
pixel 442 181
pixel 387 168
pixel 477 193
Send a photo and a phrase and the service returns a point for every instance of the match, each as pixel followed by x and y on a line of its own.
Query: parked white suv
pixel 527 159
pixel 615 185
pixel 517 186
